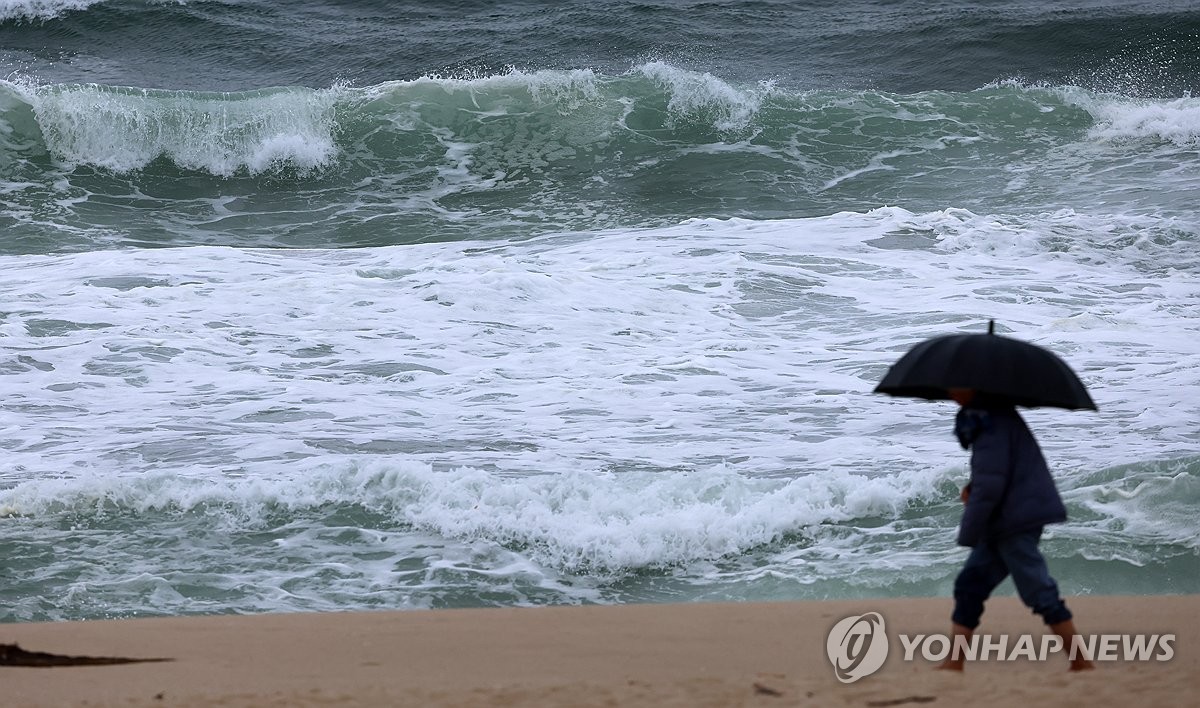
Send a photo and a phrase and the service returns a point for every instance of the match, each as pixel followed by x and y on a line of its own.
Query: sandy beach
pixel 699 654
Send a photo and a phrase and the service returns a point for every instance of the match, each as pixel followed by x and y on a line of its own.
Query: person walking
pixel 1008 501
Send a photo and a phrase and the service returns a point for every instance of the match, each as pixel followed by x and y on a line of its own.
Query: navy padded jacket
pixel 1011 487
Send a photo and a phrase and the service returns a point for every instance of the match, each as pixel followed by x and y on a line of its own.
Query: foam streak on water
pixel 40 9
pixel 558 417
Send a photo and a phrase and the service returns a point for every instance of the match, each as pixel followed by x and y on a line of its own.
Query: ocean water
pixel 387 305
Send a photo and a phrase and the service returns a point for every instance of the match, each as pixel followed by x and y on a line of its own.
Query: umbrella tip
pixel 991 326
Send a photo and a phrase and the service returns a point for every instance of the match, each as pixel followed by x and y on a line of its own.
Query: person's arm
pixel 990 461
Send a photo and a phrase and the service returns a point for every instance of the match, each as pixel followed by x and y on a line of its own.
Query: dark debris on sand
pixel 13 655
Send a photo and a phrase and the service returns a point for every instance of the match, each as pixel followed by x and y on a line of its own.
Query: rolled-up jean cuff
pixel 1058 614
pixel 966 618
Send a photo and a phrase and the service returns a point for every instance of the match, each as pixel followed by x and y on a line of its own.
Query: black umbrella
pixel 1021 373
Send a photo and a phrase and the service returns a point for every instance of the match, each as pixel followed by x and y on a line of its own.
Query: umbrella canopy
pixel 1019 372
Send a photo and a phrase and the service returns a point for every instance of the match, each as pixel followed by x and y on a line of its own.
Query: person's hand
pixel 965 494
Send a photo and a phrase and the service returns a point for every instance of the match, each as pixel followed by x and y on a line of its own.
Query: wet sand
pixel 701 654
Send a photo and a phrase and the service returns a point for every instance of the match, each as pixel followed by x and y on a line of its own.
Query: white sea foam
pixel 613 400
pixel 41 9
pixel 663 338
pixel 126 129
pixel 569 89
pixel 51 9
pixel 702 94
pixel 571 520
pixel 1118 118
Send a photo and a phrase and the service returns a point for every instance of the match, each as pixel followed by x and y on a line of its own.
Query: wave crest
pixel 125 129
pixel 517 123
pixel 11 10
pixel 1176 121
pixel 584 520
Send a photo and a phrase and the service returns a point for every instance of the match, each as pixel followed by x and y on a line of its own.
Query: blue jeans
pixel 991 562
